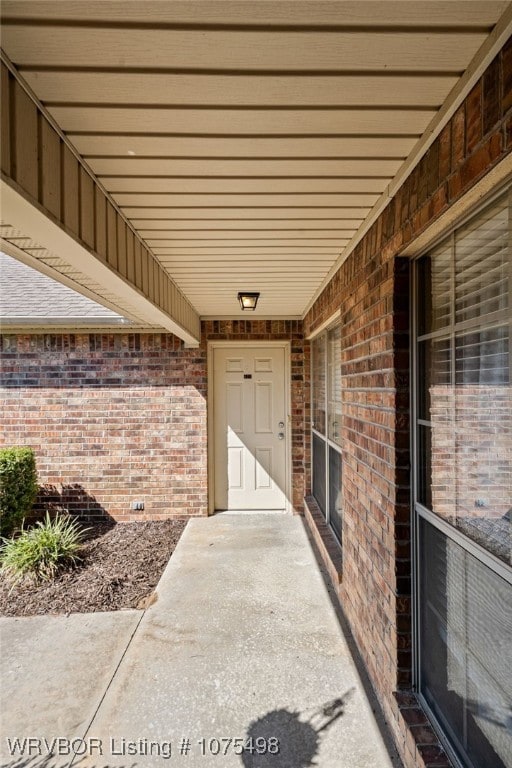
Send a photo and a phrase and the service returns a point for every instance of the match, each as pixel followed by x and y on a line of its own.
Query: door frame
pixel 210 408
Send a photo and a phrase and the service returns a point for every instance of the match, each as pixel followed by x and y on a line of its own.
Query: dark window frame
pixel 329 445
pixel 422 515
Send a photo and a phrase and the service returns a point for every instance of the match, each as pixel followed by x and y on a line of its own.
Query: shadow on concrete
pixel 287 740
pixel 356 656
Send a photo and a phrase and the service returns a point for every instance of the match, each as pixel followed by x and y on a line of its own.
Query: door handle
pixel 281 436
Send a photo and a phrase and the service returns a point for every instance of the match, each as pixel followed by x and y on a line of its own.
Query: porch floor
pixel 243 641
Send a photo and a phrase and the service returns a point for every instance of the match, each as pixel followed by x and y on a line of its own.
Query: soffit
pixel 25 249
pixel 246 142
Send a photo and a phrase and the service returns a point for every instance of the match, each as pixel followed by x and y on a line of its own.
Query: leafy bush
pixel 18 486
pixel 40 551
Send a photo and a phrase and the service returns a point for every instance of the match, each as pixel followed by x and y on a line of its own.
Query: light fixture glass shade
pixel 248 300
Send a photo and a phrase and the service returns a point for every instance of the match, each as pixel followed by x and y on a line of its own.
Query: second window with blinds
pixel 326 425
pixel 463 486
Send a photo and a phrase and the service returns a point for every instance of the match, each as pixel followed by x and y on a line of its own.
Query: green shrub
pixel 40 551
pixel 18 486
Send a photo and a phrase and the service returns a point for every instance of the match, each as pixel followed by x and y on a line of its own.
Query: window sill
pixel 325 540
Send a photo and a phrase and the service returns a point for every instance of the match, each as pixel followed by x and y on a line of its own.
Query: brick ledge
pixel 328 546
pixel 420 742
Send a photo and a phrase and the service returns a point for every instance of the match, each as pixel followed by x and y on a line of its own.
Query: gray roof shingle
pixel 26 294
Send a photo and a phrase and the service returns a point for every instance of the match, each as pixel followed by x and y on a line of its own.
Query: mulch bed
pixel 121 565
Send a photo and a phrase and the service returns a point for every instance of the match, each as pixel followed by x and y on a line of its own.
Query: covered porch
pixel 162 157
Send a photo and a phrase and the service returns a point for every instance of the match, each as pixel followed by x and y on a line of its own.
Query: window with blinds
pixel 334 381
pixel 326 425
pixel 464 404
pixel 466 659
pixel 482 265
pixel 463 486
pixel 319 383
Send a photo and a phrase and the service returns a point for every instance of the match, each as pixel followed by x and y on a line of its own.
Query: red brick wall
pixel 122 417
pixel 372 290
pixel 112 418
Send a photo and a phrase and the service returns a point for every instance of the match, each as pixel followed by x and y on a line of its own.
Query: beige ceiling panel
pixel 227 284
pixel 274 310
pixel 255 242
pixel 139 166
pixel 240 90
pixel 229 293
pixel 221 215
pixel 226 266
pixel 230 287
pixel 240 251
pixel 262 286
pixel 318 268
pixel 271 274
pixel 285 200
pixel 238 257
pixel 274 287
pixel 187 227
pixel 246 121
pixel 205 277
pixel 206 146
pixel 193 236
pixel 353 12
pixel 368 49
pixel 116 185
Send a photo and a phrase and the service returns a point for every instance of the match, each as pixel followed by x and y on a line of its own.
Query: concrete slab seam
pixel 125 651
pixel 107 688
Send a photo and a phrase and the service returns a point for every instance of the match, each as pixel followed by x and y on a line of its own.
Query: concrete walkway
pixel 243 643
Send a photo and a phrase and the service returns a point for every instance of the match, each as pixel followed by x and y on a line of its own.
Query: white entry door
pixel 250 427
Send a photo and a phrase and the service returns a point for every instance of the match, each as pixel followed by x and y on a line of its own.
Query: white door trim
pixel 211 346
